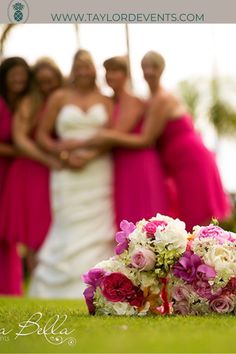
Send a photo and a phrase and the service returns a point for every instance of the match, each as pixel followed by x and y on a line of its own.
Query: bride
pixel 82 230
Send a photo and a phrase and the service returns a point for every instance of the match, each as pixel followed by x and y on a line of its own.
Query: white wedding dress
pixel 82 231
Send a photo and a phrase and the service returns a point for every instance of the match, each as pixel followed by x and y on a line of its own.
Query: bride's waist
pixel 100 164
pixel 80 134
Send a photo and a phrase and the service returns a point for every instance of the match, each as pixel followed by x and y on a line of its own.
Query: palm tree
pixel 127 38
pixel 6 30
pixel 77 32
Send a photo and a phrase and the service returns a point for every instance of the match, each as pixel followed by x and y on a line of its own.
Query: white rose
pixel 222 258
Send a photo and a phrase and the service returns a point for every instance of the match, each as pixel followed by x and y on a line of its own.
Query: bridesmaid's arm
pixel 22 127
pixel 8 150
pixel 153 126
pixel 47 124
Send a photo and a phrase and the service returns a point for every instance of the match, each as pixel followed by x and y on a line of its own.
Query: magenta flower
pixel 160 223
pixel 117 287
pixel 89 295
pixel 150 229
pixel 186 267
pixel 203 289
pixel 122 236
pixel 94 277
pixel 205 272
pixel 230 288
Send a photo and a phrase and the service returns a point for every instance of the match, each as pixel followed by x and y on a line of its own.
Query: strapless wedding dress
pixel 82 231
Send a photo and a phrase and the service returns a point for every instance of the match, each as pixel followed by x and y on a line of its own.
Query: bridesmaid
pixel 14 83
pixel 25 216
pixel 138 177
pixel 187 161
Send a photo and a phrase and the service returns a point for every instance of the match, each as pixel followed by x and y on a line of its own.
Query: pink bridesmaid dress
pixel 193 170
pixel 10 262
pixel 139 183
pixel 26 213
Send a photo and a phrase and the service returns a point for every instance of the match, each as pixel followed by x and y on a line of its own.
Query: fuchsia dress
pixel 139 183
pixel 26 213
pixel 10 262
pixel 193 170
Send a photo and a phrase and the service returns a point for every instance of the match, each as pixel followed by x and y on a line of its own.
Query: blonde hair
pixel 117 63
pixel 84 56
pixel 156 60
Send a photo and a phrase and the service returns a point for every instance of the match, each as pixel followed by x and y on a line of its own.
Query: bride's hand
pixel 76 161
pixel 80 158
pixel 67 145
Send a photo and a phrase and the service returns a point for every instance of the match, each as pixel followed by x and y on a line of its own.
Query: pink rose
pixel 150 228
pixel 161 224
pixel 181 308
pixel 222 304
pixel 180 292
pixel 143 259
pixel 215 232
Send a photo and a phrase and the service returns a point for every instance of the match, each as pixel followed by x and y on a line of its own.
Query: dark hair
pixel 5 67
pixel 47 63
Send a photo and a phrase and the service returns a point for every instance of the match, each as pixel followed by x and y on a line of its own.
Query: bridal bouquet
pixel 134 282
pixel 204 279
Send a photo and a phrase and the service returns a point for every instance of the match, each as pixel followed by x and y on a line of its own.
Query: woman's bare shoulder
pixel 107 101
pixel 59 95
pixel 163 97
pixel 134 102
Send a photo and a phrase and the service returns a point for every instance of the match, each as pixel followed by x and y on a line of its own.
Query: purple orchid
pixel 94 277
pixel 186 267
pixel 122 236
pixel 89 295
pixel 205 272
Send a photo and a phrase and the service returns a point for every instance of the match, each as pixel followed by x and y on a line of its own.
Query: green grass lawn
pixel 214 334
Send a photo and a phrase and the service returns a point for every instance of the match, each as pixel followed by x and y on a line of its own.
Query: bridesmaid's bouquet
pixel 204 279
pixel 134 282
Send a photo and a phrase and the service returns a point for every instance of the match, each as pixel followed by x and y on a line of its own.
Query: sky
pixel 192 52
